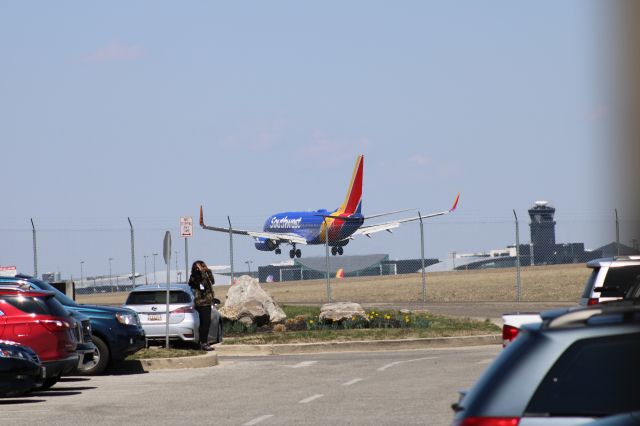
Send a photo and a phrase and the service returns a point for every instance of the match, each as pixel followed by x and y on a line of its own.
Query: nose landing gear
pixel 337 250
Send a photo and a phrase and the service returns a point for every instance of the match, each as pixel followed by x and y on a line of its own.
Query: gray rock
pixel 340 311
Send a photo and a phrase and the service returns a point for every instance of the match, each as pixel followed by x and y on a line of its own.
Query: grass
pixel 179 350
pixel 552 283
pixel 381 325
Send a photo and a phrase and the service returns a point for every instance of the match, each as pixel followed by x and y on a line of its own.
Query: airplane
pixel 310 227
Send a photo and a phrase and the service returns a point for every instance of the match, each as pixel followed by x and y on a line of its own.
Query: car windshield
pixel 618 280
pixel 60 296
pixel 157 297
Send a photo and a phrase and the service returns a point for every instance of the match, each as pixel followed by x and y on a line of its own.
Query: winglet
pixel 455 204
pixel 201 218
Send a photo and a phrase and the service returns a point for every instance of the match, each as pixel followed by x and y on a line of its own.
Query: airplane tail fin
pixel 353 201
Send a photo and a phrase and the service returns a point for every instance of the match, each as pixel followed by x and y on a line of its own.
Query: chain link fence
pixel 464 259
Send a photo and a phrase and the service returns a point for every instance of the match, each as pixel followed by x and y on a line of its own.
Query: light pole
pixel 110 282
pixel 145 269
pixel 249 262
pixel 81 272
pixel 155 281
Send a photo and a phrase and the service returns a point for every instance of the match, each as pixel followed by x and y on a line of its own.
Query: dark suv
pixel 575 366
pixel 116 332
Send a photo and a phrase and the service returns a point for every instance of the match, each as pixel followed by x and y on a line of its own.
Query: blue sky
pixel 148 109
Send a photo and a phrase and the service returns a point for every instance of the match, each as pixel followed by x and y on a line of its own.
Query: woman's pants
pixel 204 312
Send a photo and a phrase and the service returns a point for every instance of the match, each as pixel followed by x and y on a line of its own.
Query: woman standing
pixel 201 282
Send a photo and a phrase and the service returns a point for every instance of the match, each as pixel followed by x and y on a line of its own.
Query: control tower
pixel 543 233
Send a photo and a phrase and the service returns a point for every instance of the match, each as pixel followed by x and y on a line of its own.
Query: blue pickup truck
pixel 116 332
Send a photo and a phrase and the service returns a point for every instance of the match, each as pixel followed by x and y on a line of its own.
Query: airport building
pixel 311 268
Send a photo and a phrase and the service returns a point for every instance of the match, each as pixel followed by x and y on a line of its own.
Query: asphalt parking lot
pixel 388 388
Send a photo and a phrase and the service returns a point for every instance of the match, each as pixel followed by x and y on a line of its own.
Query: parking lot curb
pixel 357 346
pixel 207 360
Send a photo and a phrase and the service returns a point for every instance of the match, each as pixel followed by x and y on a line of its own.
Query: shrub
pixel 279 328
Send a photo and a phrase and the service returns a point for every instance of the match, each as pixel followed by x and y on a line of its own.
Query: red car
pixel 36 319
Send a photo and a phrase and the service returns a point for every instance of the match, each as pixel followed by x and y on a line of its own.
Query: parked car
pixel 36 319
pixel 611 279
pixel 115 332
pixel 150 302
pixel 576 366
pixel 20 369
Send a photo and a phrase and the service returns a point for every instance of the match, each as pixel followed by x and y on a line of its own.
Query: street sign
pixel 166 247
pixel 8 271
pixel 186 227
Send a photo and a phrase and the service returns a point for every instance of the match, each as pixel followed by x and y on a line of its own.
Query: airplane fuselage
pixel 311 227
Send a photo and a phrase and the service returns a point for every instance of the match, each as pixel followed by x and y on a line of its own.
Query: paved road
pixel 382 388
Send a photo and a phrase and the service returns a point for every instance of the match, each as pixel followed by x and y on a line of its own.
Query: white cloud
pixel 114 52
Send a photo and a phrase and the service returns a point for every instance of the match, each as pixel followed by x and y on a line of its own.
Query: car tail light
pixel 592 301
pixel 509 333
pixel 489 421
pixel 184 310
pixel 55 326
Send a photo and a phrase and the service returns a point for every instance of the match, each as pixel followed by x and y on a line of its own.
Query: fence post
pixel 230 249
pixel 518 284
pixel 133 256
pixel 35 251
pixel 326 245
pixel 424 276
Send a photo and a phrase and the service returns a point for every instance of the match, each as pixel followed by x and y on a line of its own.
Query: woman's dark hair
pixel 194 268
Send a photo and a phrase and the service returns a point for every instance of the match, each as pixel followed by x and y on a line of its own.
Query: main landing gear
pixel 337 250
pixel 295 252
pixel 278 251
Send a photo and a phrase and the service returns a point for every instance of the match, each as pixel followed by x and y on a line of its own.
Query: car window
pixel 618 280
pixel 36 305
pixel 157 297
pixel 588 286
pixel 594 377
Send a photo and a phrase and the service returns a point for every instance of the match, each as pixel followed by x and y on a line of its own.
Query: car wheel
pixel 49 382
pixel 100 359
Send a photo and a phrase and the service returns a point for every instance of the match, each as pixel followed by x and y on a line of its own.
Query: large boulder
pixel 248 303
pixel 340 311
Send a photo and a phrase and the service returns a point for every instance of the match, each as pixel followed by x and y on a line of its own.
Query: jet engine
pixel 266 244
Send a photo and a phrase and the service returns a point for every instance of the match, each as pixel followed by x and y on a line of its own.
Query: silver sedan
pixel 149 301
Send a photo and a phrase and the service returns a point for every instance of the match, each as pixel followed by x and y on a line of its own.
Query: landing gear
pixel 340 251
pixel 337 250
pixel 295 252
pixel 278 251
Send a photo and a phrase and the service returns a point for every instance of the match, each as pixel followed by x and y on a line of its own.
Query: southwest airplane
pixel 344 223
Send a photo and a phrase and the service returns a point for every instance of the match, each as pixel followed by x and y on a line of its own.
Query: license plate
pixel 154 317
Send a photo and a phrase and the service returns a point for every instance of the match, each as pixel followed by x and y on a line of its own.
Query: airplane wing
pixel 285 238
pixel 365 218
pixel 367 230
